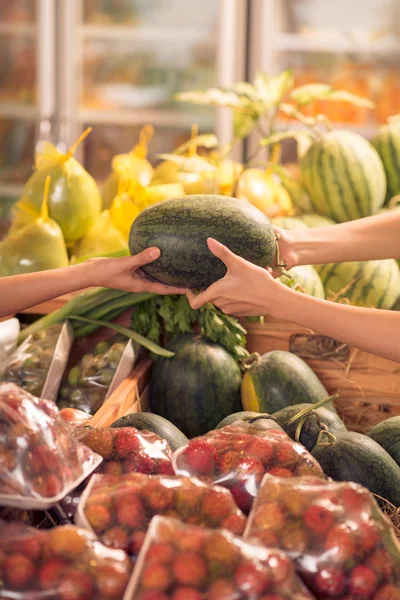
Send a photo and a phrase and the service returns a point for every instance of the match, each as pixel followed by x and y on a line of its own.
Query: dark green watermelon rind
pixel 387 435
pixel 282 379
pixel 356 457
pixel 180 228
pixel 145 421
pixel 197 388
pixel 387 144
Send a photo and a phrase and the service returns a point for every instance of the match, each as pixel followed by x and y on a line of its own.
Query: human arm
pixel 248 290
pixel 371 238
pixel 20 292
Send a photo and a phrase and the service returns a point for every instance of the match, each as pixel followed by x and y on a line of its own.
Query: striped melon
pixel 373 284
pixel 387 143
pixel 312 220
pixel 344 176
pixel 305 279
pixel 288 223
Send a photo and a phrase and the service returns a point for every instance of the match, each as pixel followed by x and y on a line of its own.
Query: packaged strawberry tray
pixel 127 450
pixel 64 563
pixel 238 456
pixel 40 461
pixel 186 562
pixel 344 547
pixel 119 508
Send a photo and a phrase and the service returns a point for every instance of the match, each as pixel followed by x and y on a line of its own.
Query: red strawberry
pixel 340 543
pixel 186 593
pixel 261 448
pixel 126 442
pixel 235 523
pixel 267 538
pixel 116 537
pixel 222 589
pixel 318 518
pixel 286 455
pixel 112 580
pixel 191 541
pixel 220 549
pixel 381 562
pixel 100 441
pixel 188 498
pixel 166 532
pixel 152 595
pixel 190 569
pixel 112 468
pixel 251 579
pixel 363 581
pixel 99 517
pixel 227 461
pixel 43 458
pixel 200 457
pixel 388 592
pixel 136 542
pixel 50 573
pixel 269 516
pixel 164 467
pixel 158 497
pixel 143 464
pixel 29 546
pixel 130 512
pixel 67 541
pixel 281 567
pixel 293 537
pixel 272 597
pixel 217 504
pixel 355 500
pixel 280 472
pixel 162 553
pixel 368 536
pixel 243 499
pixel 330 580
pixel 47 486
pixel 250 467
pixel 75 585
pixel 156 576
pixel 18 571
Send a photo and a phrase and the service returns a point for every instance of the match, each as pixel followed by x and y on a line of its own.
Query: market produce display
pixel 184 561
pixel 150 422
pixel 40 461
pixel 387 434
pixel 237 456
pixel 120 509
pixel 387 143
pixel 65 562
pixel 341 543
pixel 305 279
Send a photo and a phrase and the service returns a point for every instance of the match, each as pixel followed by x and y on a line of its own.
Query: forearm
pixel 371 238
pixel 372 330
pixel 20 292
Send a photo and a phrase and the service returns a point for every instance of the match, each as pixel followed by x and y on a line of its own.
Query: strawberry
pixel 381 562
pixel 250 467
pixel 130 512
pixel 388 592
pixel 220 549
pixel 164 467
pixel 75 585
pixel 293 537
pixel 234 523
pixel 251 579
pixel 200 457
pixel 116 537
pixel 156 576
pixel 281 567
pixel 330 580
pixel 340 543
pixel 162 553
pixel 368 536
pixel 261 448
pixel 190 569
pixel 280 472
pixel 355 500
pixel 126 442
pixel 152 595
pixel 222 589
pixel 191 541
pixel 99 517
pixel 318 518
pixel 100 441
pixel 227 461
pixel 186 593
pixel 45 458
pixel 363 581
pixel 144 464
pixel 286 455
pixel 67 541
pixel 269 516
pixel 294 501
pixel 188 499
pixel 47 485
pixel 166 533
pixel 18 571
pixel 243 499
pixel 112 580
pixel 50 573
pixel 217 504
pixel 267 538
pixel 112 468
pixel 29 546
pixel 136 542
pixel 157 497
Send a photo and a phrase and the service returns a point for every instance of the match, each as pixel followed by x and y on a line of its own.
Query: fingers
pixel 196 301
pixel 143 258
pixel 223 253
pixel 160 288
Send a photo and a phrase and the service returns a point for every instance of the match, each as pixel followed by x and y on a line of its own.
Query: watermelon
pixel 313 220
pixel 387 143
pixel 305 279
pixel 250 417
pixel 146 421
pixel 180 228
pixel 387 435
pixel 280 379
pixel 372 284
pixel 344 176
pixel 296 190
pixel 288 223
pixel 198 387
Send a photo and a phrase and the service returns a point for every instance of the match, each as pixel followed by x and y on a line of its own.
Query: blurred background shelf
pixel 158 118
pixel 144 33
pixel 336 44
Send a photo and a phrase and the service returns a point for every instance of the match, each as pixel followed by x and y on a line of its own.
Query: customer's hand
pixel 287 250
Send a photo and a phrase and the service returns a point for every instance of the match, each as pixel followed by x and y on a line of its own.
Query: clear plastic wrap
pixel 127 450
pixel 119 509
pixel 40 461
pixel 64 563
pixel 343 546
pixel 38 364
pixel 238 456
pixel 185 562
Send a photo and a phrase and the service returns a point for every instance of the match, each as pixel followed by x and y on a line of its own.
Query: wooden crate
pixel 369 386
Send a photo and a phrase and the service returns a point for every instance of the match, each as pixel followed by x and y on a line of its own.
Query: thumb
pixel 223 253
pixel 143 258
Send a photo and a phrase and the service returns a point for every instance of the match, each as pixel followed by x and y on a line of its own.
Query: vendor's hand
pixel 287 252
pixel 246 290
pixel 124 273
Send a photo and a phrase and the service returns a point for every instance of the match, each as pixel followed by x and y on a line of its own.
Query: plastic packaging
pixel 40 462
pixel 38 364
pixel 185 562
pixel 102 239
pixel 237 456
pixel 9 332
pixel 119 509
pixel 343 545
pixel 94 378
pixel 74 199
pixel 64 563
pixel 127 450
